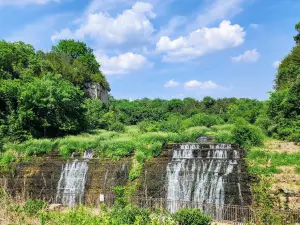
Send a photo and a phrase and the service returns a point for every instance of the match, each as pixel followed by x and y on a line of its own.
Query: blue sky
pixel 166 48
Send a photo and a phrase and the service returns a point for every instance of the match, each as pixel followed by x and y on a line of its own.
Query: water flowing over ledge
pixel 71 185
pixel 198 177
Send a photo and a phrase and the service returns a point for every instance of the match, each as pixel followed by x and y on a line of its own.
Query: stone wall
pixel 39 177
pixel 154 175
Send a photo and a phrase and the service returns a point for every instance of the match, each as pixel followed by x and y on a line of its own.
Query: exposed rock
pixel 96 91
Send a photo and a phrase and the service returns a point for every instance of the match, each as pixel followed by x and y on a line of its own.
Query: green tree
pixel 95 111
pixel 50 106
pixel 17 58
pixel 82 60
pixel 297 37
pixel 245 108
pixel 208 101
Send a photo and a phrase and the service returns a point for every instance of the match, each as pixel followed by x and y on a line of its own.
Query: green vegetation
pixel 283 106
pixel 262 162
pixel 121 213
pixel 187 216
pixel 41 94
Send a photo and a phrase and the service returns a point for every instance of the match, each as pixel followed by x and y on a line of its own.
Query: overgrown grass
pixel 112 144
pixel 276 159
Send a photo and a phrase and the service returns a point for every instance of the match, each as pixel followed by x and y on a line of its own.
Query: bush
pixel 94 112
pixel 224 136
pixel 148 126
pixel 117 126
pixel 264 123
pixel 202 119
pixel 32 207
pixel 187 216
pixel 190 134
pixel 246 135
pixel 173 124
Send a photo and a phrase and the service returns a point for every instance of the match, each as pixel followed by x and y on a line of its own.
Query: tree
pixel 245 108
pixel 50 107
pixel 84 66
pixel 73 48
pixel 208 101
pixel 95 110
pixel 297 37
pixel 16 58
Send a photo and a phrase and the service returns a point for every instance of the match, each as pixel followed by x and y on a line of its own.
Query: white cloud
pixel 201 42
pixel 121 64
pixel 201 85
pixel 25 2
pixel 218 10
pixel 248 56
pixel 63 34
pixel 276 64
pixel 171 83
pixel 254 25
pixel 132 26
pixel 173 25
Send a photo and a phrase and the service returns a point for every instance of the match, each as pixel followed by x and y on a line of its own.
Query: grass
pixel 265 162
pixel 109 143
pixel 260 156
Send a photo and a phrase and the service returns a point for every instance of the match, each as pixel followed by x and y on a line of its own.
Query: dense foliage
pixel 186 216
pixel 41 94
pixel 284 104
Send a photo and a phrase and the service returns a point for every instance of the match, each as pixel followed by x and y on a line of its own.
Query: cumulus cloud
pixel 201 85
pixel 201 42
pixel 63 34
pixel 25 2
pixel 133 25
pixel 248 56
pixel 171 83
pixel 121 64
pixel 217 10
pixel 276 64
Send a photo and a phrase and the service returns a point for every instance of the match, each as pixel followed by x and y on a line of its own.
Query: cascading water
pixel 199 176
pixel 70 188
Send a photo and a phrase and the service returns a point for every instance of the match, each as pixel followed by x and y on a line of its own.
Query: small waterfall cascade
pixel 70 188
pixel 199 176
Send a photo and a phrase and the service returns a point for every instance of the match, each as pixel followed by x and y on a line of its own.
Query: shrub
pixel 202 119
pixel 117 126
pixel 141 156
pixel 94 112
pixel 264 123
pixel 32 207
pixel 125 213
pixel 247 135
pixel 187 216
pixel 173 124
pixel 148 126
pixel 191 134
pixel 116 148
pixel 7 158
pixel 135 171
pixel 129 215
pixel 224 136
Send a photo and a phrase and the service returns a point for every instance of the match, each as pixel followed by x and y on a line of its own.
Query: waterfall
pixel 199 178
pixel 70 188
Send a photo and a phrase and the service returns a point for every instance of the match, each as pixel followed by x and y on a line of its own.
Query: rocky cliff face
pixel 96 91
